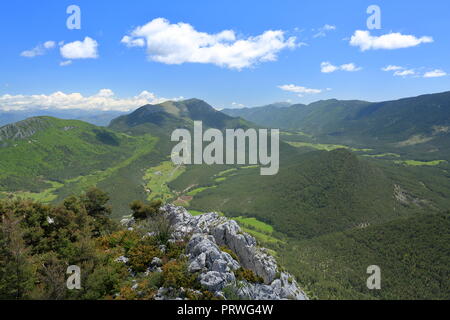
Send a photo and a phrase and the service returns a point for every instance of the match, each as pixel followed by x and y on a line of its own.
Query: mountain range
pixel 355 177
pixel 418 125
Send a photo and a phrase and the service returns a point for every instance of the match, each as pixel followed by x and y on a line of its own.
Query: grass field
pixel 324 147
pixel 45 196
pixel 198 190
pixel 420 163
pixel 157 178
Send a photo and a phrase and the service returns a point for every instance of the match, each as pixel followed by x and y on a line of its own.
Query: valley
pixel 340 202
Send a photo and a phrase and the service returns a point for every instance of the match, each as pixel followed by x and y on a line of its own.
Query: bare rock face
pixel 23 129
pixel 216 268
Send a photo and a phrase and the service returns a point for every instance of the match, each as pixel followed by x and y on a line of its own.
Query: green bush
pixel 176 275
pixel 141 256
pixel 248 275
pixel 142 211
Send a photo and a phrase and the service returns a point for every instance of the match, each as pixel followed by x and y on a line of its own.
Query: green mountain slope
pixel 417 126
pixel 163 118
pixel 47 158
pixel 412 253
pixel 313 194
pixel 334 214
pixel 319 204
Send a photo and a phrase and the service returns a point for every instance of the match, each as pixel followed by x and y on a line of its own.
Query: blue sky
pixel 37 44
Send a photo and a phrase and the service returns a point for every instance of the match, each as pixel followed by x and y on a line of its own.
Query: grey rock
pixel 156 262
pixel 122 259
pixel 213 281
pixel 127 222
pixel 216 268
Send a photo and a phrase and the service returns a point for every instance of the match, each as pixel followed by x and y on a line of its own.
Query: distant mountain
pixel 99 118
pixel 43 152
pixel 419 124
pixel 48 158
pixel 170 115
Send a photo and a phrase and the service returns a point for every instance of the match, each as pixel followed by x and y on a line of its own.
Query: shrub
pixel 176 275
pixel 162 229
pixel 231 292
pixel 142 211
pixel 248 275
pixel 141 256
pixel 175 249
pixel 123 238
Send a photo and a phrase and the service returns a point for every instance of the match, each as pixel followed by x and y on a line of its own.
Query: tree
pixel 16 268
pixel 95 201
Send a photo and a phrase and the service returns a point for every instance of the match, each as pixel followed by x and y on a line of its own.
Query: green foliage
pixel 58 150
pixel 42 240
pixel 248 275
pixel 411 252
pixel 143 211
pixel 320 192
pixel 141 256
pixel 176 275
pixel 231 292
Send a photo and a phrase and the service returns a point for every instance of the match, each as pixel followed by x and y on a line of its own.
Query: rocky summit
pixel 208 235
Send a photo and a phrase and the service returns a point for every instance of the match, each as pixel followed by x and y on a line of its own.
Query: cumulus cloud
pixel 104 100
pixel 435 74
pixel 327 67
pixel 404 73
pixel 39 50
pixel 181 43
pixel 365 41
pixel 86 49
pixel 322 31
pixel 391 68
pixel 299 89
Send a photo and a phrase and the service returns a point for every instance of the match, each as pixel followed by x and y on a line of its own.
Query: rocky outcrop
pixel 207 233
pixel 23 129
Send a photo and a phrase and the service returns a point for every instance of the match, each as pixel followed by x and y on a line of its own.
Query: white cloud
pixel 65 63
pixel 365 41
pixel 322 31
pixel 181 43
pixel 404 73
pixel 350 67
pixel 392 68
pixel 298 89
pixel 103 100
pixel 130 42
pixel 39 50
pixel 435 74
pixel 86 49
pixel 237 105
pixel 49 44
pixel 327 67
